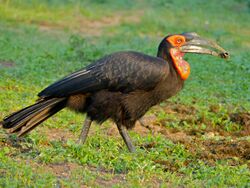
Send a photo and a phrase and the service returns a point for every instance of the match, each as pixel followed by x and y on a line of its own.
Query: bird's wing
pixel 121 71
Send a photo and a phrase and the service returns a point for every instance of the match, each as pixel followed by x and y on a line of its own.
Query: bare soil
pixel 189 115
pixel 209 145
pixel 54 134
pixel 90 27
pixel 66 171
pixel 243 119
pixel 6 63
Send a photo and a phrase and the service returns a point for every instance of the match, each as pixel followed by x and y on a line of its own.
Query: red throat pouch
pixel 182 67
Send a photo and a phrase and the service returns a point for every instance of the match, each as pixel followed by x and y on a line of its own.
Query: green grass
pixel 41 42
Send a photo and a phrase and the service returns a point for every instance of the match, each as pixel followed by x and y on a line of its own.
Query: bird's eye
pixel 179 41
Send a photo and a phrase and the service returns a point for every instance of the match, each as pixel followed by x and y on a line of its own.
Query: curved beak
pixel 196 44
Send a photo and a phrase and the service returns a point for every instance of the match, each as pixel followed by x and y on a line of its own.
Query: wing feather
pixel 121 71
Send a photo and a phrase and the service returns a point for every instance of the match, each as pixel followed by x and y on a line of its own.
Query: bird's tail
pixel 23 121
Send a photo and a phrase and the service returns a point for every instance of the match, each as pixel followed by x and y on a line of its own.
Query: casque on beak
pixel 196 44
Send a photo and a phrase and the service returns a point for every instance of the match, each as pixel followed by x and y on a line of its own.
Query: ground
pixel 199 138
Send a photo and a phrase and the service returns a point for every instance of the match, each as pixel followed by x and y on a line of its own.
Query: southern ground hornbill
pixel 121 86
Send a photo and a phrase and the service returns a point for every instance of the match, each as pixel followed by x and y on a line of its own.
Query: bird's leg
pixel 124 133
pixel 85 130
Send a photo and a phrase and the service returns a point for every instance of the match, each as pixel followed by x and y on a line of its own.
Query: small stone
pixel 210 135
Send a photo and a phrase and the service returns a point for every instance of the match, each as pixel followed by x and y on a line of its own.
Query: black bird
pixel 121 86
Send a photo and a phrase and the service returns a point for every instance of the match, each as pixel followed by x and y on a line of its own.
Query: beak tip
pixel 224 55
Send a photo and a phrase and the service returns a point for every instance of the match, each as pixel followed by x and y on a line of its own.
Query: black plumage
pixel 121 86
pixel 121 71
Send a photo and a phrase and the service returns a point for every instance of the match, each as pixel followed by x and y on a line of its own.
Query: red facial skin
pixel 182 67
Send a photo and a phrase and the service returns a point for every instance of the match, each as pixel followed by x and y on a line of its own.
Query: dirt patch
pixel 214 121
pixel 224 149
pixel 104 182
pixel 210 149
pixel 64 171
pixel 111 130
pixel 243 119
pixel 57 134
pixel 235 152
pixel 96 27
pixel 91 27
pixel 6 63
pixel 180 109
pixel 211 144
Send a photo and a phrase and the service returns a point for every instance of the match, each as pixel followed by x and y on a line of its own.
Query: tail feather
pixel 20 119
pixel 28 118
pixel 10 120
pixel 39 118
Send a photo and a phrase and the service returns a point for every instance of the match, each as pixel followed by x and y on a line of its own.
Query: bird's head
pixel 174 47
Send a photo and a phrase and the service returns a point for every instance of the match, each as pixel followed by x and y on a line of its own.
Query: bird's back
pixel 120 71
